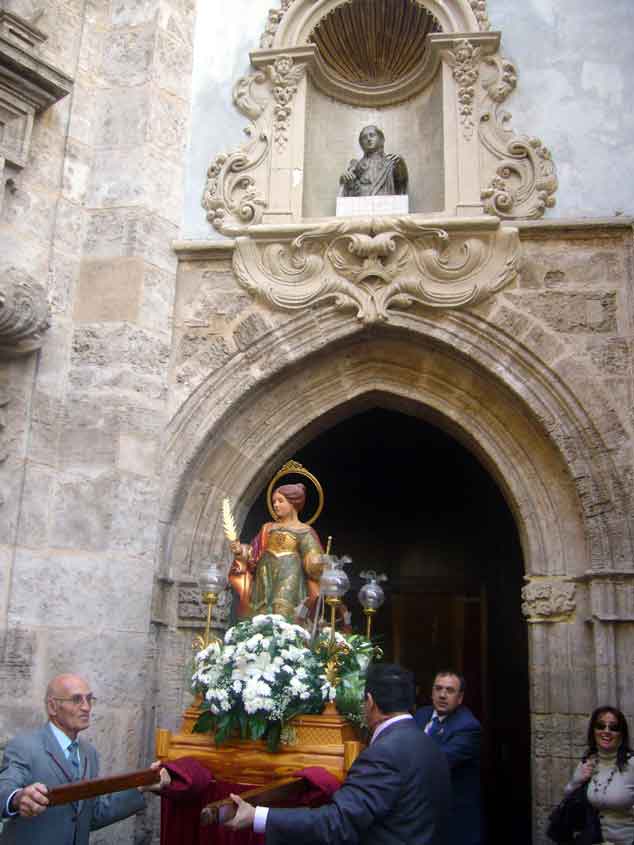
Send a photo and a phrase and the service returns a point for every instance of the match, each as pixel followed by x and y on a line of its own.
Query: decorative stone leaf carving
pixel 24 313
pixel 375 265
pixel 272 24
pixel 465 59
pixel 548 600
pixel 284 77
pixel 521 180
pixel 480 11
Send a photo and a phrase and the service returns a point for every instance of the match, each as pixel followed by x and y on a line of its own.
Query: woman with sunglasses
pixel 608 769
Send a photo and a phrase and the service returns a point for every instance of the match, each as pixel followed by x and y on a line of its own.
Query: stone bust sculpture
pixel 375 173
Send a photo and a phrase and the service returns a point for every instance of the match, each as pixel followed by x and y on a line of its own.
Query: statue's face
pixel 281 506
pixel 370 139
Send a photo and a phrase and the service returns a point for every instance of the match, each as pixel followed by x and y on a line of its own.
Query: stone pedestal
pixel 372 206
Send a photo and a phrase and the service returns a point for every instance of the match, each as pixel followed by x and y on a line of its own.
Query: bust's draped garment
pixel 284 557
pixel 386 174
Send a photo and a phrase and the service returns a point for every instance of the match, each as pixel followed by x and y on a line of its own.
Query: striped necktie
pixel 73 756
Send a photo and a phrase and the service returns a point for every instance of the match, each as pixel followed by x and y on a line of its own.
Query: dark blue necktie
pixel 434 728
pixel 73 756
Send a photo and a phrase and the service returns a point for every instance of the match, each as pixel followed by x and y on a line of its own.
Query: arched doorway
pixel 405 498
pixel 492 395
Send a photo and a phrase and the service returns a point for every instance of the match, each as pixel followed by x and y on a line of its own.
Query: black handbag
pixel 575 820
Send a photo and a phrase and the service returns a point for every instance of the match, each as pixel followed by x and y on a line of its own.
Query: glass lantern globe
pixel 334 583
pixel 213 578
pixel 371 595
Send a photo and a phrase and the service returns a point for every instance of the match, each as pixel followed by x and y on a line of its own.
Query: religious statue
pixel 377 172
pixel 283 562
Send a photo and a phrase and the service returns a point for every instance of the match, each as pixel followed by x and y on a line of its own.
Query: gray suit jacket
pixel 397 792
pixel 37 756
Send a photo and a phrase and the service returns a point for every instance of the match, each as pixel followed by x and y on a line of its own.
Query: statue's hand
pixel 236 547
pixel 236 568
pixel 349 175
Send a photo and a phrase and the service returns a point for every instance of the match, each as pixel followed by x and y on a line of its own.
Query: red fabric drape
pixel 193 786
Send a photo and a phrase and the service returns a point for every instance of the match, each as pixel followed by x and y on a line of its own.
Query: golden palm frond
pixel 228 522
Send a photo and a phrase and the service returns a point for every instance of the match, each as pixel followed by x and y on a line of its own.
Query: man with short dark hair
pixel 396 791
pixel 51 756
pixel 457 733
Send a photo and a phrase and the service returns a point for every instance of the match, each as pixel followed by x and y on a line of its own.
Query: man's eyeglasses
pixel 78 699
pixel 612 727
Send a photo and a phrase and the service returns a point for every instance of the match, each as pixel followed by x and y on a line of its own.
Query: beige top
pixel 611 792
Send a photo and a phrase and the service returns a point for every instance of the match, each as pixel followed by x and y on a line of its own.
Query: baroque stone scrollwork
pixel 377 265
pixel 548 600
pixel 522 178
pixel 24 313
pixel 231 193
pixel 234 190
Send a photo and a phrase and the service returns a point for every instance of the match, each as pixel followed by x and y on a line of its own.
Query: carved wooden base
pixel 327 740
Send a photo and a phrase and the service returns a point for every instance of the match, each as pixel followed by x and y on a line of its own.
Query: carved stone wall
pixel 87 220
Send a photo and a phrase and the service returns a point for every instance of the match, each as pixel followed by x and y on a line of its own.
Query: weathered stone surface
pixel 128 55
pixel 109 290
pixel 82 512
pixel 67 585
pixel 574 313
pixel 119 345
pixel 134 523
pixel 132 232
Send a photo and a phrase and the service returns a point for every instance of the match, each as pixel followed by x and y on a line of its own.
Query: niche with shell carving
pixel 428 72
pixel 374 47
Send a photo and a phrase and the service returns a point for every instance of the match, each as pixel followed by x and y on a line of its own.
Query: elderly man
pixel 457 732
pixel 50 756
pixel 396 791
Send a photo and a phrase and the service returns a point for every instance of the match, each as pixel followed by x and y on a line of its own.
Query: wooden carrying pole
pixel 80 790
pixel 278 792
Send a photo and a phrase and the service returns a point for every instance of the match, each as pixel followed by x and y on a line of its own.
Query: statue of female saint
pixel 284 559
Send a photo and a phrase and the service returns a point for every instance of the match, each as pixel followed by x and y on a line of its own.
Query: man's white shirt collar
pixel 387 723
pixel 63 740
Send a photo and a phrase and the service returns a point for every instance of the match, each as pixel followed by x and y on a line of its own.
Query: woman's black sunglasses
pixel 612 727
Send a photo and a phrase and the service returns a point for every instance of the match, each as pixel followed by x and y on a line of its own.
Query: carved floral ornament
pixel 548 600
pixel 378 266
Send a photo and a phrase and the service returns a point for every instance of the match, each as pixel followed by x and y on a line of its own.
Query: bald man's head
pixel 69 702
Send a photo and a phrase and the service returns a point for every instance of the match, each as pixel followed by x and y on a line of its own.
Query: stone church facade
pixel 147 370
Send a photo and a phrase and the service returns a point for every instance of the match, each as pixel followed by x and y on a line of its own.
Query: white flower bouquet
pixel 265 673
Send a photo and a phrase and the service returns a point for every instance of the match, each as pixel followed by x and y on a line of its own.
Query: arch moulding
pixel 487 390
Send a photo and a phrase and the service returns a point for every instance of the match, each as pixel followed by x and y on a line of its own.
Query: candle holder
pixel 371 596
pixel 213 581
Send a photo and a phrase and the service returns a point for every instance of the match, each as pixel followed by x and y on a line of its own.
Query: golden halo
pixel 295 468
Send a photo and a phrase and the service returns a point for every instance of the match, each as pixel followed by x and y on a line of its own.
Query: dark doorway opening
pixel 405 498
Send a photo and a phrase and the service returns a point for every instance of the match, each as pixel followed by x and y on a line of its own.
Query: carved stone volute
pixel 24 313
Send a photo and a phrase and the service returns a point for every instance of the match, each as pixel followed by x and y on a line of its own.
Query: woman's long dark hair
pixel 624 752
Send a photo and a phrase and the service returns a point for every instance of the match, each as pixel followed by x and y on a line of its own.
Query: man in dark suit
pixel 457 732
pixel 50 756
pixel 396 791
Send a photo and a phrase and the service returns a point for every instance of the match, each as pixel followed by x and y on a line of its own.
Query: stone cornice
pixel 575 227
pixel 28 85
